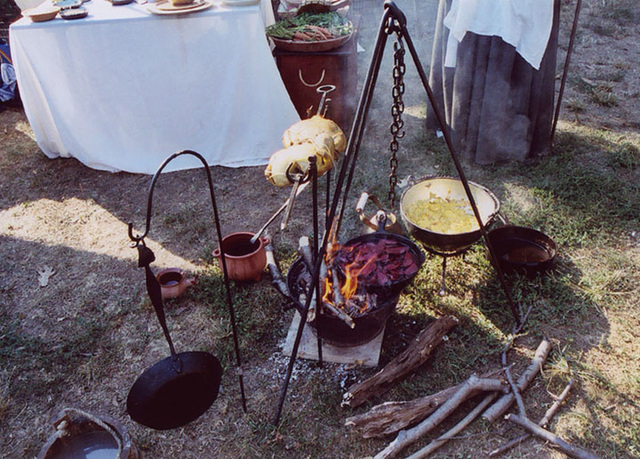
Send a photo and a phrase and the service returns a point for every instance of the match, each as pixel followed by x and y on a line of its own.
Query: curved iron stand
pixel 138 240
pixel 393 22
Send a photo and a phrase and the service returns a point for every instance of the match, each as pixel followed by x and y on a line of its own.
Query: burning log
pixel 391 417
pixel 338 298
pixel 340 314
pixel 404 364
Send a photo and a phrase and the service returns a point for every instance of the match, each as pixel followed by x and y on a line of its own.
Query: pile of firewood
pixel 412 420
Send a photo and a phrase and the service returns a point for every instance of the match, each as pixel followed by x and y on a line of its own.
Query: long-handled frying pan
pixel 179 388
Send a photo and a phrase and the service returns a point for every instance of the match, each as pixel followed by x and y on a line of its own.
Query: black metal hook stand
pixel 139 240
pixel 393 22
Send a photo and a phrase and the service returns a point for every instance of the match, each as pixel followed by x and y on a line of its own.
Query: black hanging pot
pixel 181 387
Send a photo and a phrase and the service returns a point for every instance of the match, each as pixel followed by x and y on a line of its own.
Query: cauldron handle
pixel 503 219
pixel 381 216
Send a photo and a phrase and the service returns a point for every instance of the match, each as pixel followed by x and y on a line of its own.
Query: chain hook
pixel 397 108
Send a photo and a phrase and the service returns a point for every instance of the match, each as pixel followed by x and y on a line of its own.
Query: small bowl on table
pixel 42 13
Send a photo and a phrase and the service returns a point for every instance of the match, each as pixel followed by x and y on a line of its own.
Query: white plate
pixel 182 9
pixel 240 2
pixel 168 6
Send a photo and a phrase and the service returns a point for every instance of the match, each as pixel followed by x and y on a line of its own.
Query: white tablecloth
pixel 123 89
pixel 524 24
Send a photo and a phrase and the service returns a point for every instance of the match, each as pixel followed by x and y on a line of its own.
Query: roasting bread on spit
pixel 296 159
pixel 307 129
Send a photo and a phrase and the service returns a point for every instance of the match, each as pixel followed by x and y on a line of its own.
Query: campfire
pixel 358 270
pixel 360 281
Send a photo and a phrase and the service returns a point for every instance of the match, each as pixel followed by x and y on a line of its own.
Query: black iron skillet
pixel 179 388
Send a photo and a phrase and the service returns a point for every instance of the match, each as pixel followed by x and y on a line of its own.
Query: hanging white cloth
pixel 524 24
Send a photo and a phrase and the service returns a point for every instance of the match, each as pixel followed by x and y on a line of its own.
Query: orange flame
pixel 352 272
pixel 348 289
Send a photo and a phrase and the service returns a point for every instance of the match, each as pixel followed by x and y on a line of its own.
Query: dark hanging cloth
pixel 497 106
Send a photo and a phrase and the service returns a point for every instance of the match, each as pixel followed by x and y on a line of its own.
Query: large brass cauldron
pixel 452 189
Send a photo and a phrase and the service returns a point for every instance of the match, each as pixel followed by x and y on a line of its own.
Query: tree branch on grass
pixel 542 423
pixel 503 403
pixel 538 431
pixel 408 437
pixel 391 417
pixel 455 430
pixel 404 364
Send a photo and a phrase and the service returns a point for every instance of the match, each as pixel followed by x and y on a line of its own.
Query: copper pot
pixel 245 260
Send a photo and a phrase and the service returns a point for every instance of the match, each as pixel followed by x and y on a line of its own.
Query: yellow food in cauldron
pixel 446 216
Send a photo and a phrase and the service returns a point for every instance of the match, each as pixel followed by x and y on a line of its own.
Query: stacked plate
pixel 168 7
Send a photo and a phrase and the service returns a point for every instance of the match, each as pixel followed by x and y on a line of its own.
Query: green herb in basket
pixel 311 26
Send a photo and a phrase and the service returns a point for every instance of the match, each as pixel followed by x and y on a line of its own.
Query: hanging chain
pixel 397 108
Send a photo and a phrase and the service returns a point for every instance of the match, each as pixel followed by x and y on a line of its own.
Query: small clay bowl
pixel 173 282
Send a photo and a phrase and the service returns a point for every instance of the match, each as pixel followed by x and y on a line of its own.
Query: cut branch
pixel 538 431
pixel 496 410
pixel 407 437
pixel 455 430
pixel 543 422
pixel 390 417
pixel 404 364
pixel 304 249
pixel 276 275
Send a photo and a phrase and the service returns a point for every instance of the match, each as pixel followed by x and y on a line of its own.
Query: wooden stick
pixel 321 282
pixel 455 430
pixel 515 391
pixel 277 279
pixel 538 431
pixel 496 410
pixel 338 298
pixel 404 364
pixel 340 314
pixel 407 437
pixel 542 423
pixel 304 249
pixel 390 417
